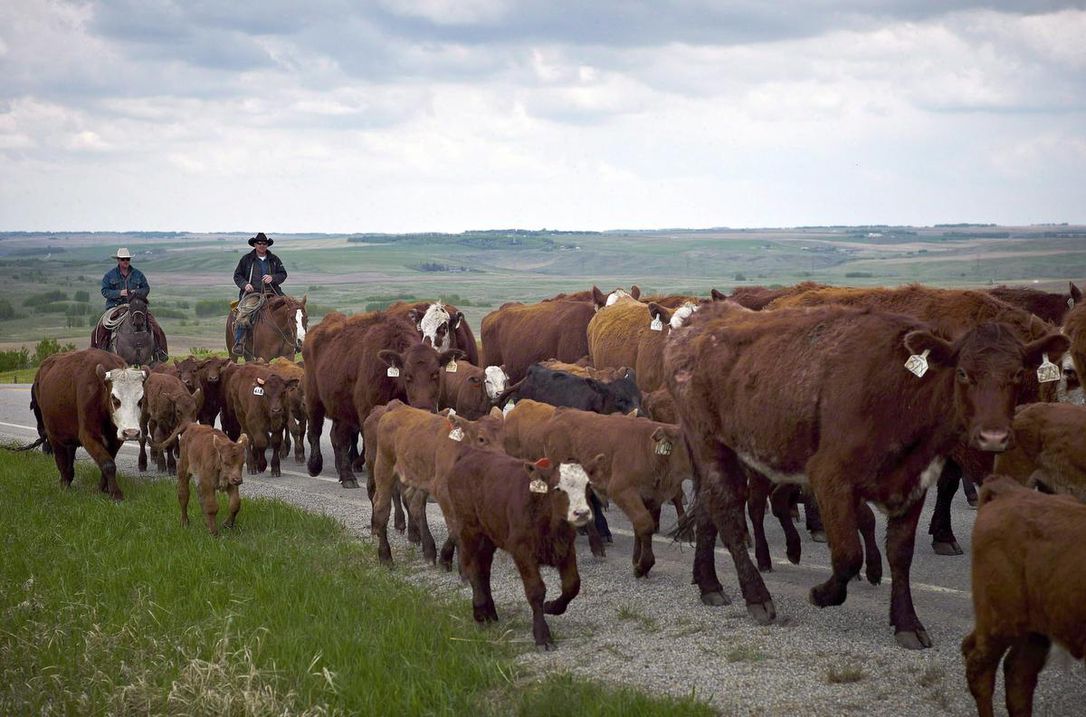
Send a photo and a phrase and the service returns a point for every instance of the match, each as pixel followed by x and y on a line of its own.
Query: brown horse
pixel 278 330
pixel 132 337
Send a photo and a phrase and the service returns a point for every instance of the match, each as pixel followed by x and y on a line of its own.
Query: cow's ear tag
pixel 508 408
pixel 656 324
pixel 457 434
pixel 663 448
pixel 1048 371
pixel 451 412
pixel 538 485
pixel 392 372
pixel 918 364
pixel 1070 302
pixel 450 367
pixel 258 391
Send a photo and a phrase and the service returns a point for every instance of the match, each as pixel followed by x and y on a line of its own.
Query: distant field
pixel 481 270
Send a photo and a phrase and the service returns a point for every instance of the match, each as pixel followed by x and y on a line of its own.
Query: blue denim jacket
pixel 113 282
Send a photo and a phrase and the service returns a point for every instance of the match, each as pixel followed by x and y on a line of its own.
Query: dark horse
pixel 278 329
pixel 132 338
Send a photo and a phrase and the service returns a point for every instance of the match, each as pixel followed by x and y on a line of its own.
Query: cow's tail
pixel 172 438
pixel 35 444
pixel 40 421
pixel 684 530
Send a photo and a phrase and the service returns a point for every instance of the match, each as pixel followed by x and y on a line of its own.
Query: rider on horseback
pixel 259 268
pixel 121 283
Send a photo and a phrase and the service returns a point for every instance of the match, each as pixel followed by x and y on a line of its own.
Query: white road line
pixel 659 539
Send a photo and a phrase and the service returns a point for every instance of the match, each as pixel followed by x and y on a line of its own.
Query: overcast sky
pixel 404 115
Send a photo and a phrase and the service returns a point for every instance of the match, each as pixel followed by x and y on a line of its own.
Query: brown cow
pixel 209 456
pixel 296 401
pixel 643 466
pixel 1048 449
pixel 757 298
pixel 951 312
pixel 820 396
pixel 209 377
pixel 1050 307
pixel 353 365
pixel 522 435
pixel 518 335
pixel 87 398
pixel 530 511
pixel 441 325
pixel 167 408
pixel 257 404
pixel 605 375
pixel 421 447
pixel 1029 590
pixel 472 391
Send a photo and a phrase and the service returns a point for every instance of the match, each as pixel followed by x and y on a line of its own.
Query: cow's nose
pixel 995 440
pixel 131 434
pixel 277 409
pixel 212 379
pixel 582 516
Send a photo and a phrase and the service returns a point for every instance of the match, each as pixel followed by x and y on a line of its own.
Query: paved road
pixel 656 633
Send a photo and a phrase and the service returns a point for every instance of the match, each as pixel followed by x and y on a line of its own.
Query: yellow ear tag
pixel 450 367
pixel 918 365
pixel 457 434
pixel 1048 371
pixel 656 324
pixel 663 448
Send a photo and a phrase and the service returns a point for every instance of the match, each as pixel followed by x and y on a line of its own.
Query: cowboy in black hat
pixel 258 271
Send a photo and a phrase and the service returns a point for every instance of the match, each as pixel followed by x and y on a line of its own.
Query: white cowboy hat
pixel 123 253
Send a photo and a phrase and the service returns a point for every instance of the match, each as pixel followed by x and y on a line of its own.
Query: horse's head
pixel 291 318
pixel 137 313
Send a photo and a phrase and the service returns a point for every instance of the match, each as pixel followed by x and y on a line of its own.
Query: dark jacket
pixel 113 282
pixel 246 273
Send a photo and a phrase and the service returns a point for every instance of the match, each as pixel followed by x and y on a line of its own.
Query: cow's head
pixel 619 396
pixel 496 381
pixel 210 369
pixel 125 388
pixel 434 326
pixel 186 371
pixel 272 389
pixel 990 363
pixel 675 318
pixel 566 487
pixel 231 458
pixel 602 300
pixel 419 368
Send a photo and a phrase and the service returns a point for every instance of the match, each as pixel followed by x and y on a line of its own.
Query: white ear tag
pixel 392 372
pixel 457 434
pixel 663 448
pixel 508 408
pixel 450 367
pixel 258 391
pixel 918 364
pixel 1048 371
pixel 538 485
pixel 1070 303
pixel 656 324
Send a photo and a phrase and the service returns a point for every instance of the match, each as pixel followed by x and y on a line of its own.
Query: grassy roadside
pixel 22 375
pixel 113 608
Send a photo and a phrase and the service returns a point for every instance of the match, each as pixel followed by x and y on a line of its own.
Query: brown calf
pixel 1029 589
pixel 257 404
pixel 209 376
pixel 296 419
pixel 643 466
pixel 1048 448
pixel 471 390
pixel 167 409
pixel 530 511
pixel 208 455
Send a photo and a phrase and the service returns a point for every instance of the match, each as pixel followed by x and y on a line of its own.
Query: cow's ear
pixel 243 439
pixel 660 312
pixel 598 297
pixel 102 373
pixel 475 379
pixel 635 291
pixel 940 351
pixel 717 295
pixel 391 358
pixel 305 298
pixel 414 316
pixel 496 412
pixel 457 319
pixel 292 383
pixel 595 466
pixel 446 357
pixel 1054 345
pixel 1076 295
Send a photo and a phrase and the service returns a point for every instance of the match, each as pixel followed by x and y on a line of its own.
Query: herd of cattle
pixel 841 397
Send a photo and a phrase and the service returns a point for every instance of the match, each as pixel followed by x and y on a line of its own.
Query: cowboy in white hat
pixel 120 284
pixel 257 272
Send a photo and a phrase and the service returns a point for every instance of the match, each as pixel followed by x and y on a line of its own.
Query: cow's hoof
pixel 766 567
pixel 600 553
pixel 794 555
pixel 818 536
pixel 554 607
pixel 608 539
pixel 874 573
pixel 913 639
pixel 349 483
pixel 716 598
pixel 315 464
pixel 764 613
pixel 946 548
pixel 276 473
pixel 827 594
pixel 546 646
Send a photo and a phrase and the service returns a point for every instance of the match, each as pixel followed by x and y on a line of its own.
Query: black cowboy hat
pixel 260 237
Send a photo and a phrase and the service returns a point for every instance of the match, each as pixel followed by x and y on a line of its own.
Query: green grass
pixel 22 375
pixel 114 608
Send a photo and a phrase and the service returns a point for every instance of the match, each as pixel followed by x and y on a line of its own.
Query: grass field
pixel 487 269
pixel 113 608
